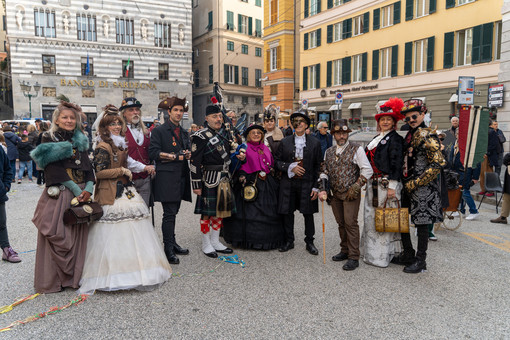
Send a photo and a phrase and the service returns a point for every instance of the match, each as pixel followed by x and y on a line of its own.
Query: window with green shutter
pixel 408 58
pixel 409 9
pixel 318 6
pixel 226 73
pixel 329 38
pixel 250 25
pixel 305 78
pixel 244 76
pixel 432 6
pixel 366 22
pixel 330 4
pixel 377 16
pixel 329 73
pixel 375 64
pixel 486 48
pixel 396 13
pixel 307 8
pixel 450 3
pixel 230 20
pixel 258 27
pixel 394 60
pixel 236 75
pixel 319 37
pixel 346 70
pixel 317 76
pixel 305 41
pixel 364 62
pixel 209 21
pixel 347 28
pixel 477 45
pixel 230 45
pixel 258 52
pixel 258 3
pixel 244 49
pixel 430 54
pixel 449 38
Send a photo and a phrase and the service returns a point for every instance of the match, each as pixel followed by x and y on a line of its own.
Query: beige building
pixel 227 48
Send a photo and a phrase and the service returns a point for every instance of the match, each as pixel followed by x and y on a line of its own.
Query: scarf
pixel 258 158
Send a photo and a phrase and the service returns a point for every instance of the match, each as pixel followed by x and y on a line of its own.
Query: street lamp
pixel 26 88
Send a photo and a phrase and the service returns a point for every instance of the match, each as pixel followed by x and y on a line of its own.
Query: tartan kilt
pixel 206 203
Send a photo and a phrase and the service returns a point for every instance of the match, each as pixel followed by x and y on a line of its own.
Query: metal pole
pixel 30 105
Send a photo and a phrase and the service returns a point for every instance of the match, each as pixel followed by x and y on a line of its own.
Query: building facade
pixel 227 48
pixel 282 51
pixel 5 74
pixel 370 51
pixel 96 53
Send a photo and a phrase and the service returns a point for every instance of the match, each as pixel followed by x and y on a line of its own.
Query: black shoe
pixel 225 251
pixel 351 264
pixel 171 257
pixel 417 267
pixel 286 247
pixel 404 259
pixel 179 250
pixel 213 254
pixel 311 249
pixel 340 257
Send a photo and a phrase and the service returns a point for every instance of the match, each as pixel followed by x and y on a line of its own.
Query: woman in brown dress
pixel 63 156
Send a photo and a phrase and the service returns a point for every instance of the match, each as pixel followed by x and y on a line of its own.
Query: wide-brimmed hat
pixel 302 115
pixel 129 102
pixel 391 108
pixel 170 102
pixel 414 104
pixel 253 127
pixel 340 125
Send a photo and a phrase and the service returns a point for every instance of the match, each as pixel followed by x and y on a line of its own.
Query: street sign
pixel 304 103
pixel 466 90
pixel 495 98
pixel 339 98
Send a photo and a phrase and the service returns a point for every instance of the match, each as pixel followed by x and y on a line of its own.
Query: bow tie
pixel 135 126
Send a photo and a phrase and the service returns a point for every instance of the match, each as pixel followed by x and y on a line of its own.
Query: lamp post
pixel 26 88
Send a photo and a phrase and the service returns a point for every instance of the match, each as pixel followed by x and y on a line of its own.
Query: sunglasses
pixel 268 120
pixel 299 120
pixel 413 117
pixel 441 139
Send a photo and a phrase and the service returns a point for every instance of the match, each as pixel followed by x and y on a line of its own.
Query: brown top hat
pixel 170 102
pixel 340 125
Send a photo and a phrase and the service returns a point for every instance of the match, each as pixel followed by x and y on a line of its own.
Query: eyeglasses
pixel 268 120
pixel 299 120
pixel 115 124
pixel 413 117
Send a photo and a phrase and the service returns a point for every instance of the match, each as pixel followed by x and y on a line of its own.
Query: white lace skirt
pixel 123 251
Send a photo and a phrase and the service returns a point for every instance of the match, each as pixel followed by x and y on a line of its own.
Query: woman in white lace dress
pixel 123 251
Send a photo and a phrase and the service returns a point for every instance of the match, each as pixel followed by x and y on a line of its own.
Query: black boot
pixel 170 255
pixel 179 250
pixel 417 267
pixel 405 258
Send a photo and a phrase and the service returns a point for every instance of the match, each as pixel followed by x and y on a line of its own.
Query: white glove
pixel 127 172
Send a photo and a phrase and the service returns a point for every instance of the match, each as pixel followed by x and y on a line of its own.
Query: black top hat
pixel 340 125
pixel 414 104
pixel 251 127
pixel 129 102
pixel 170 102
pixel 212 109
pixel 302 115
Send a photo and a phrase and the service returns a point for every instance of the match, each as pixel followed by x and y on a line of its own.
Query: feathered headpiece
pixel 392 107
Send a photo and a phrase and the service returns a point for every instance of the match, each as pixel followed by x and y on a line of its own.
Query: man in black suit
pixel 170 149
pixel 299 159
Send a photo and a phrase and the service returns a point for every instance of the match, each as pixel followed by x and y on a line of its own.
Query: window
pixel 48 64
pixel 5 23
pixel 258 101
pixel 420 56
pixel 274 11
pixel 230 74
pixel 312 77
pixel 44 21
pixel 258 28
pixel 209 21
pixel 243 24
pixel 385 62
pixel 86 27
pixel 163 71
pixel 273 59
pixel 337 31
pixel 258 3
pixel 244 100
pixel 497 41
pixel 196 78
pixel 87 70
pixel 421 8
pixel 211 74
pixel 127 69
pixel 244 49
pixel 356 68
pixel 125 31
pixel 244 76
pixel 464 47
pixel 337 72
pixel 258 76
pixel 387 16
pixel 312 39
pixel 358 25
pixel 462 2
pixel 162 37
pixel 313 7
pixel 230 20
pixel 230 45
pixel 258 52
pixel 273 90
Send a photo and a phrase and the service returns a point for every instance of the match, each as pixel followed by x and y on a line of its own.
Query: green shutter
pixel 430 53
pixel 364 62
pixel 409 9
pixel 239 23
pixel 347 28
pixel 258 27
pixel 230 20
pixel 209 21
pixel 449 38
pixel 318 6
pixel 307 8
pixel 375 64
pixel 477 45
pixel 236 75
pixel 318 76
pixel 408 58
pixel 330 34
pixel 305 78
pixel 329 73
pixel 319 37
pixel 250 26
pixel 432 6
pixel 450 3
pixel 305 41
pixel 366 22
pixel 225 73
pixel 486 49
pixel 396 13
pixel 346 70
pixel 330 4
pixel 394 60
pixel 377 18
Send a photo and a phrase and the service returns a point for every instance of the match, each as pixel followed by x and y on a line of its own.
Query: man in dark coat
pixel 495 147
pixel 6 176
pixel 170 148
pixel 299 159
pixel 323 136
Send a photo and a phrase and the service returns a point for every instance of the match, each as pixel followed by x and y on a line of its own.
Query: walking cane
pixel 323 234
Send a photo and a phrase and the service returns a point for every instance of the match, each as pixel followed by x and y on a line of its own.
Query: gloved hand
pixel 127 173
pixel 353 192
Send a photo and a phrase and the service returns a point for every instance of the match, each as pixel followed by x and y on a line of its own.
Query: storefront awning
pixel 335 107
pixel 454 98
pixel 354 106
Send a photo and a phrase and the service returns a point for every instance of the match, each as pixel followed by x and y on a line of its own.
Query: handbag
pixel 250 191
pixel 84 212
pixel 392 220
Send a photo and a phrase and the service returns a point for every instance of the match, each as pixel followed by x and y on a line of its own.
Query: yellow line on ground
pixel 502 244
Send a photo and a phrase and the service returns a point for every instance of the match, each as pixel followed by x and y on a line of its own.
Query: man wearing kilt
pixel 210 160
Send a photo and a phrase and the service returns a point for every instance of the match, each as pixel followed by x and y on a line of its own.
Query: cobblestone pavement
pixel 464 294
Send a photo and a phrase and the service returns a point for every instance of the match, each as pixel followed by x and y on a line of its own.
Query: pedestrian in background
pixel 25 161
pixel 11 140
pixel 495 148
pixel 505 209
pixel 323 136
pixel 43 127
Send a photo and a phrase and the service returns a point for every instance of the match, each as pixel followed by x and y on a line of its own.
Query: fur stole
pixel 47 153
